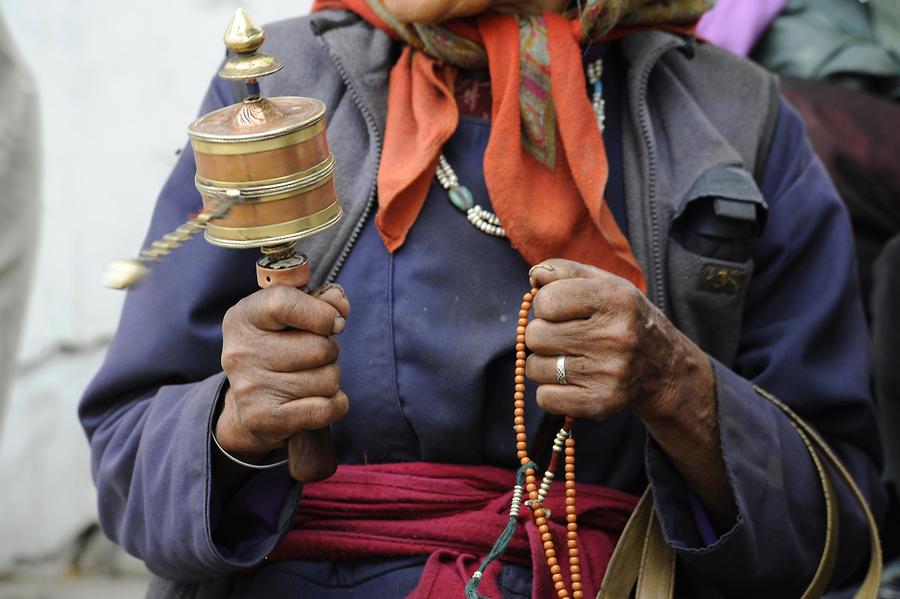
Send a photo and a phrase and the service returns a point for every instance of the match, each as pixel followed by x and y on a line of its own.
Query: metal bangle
pixel 245 464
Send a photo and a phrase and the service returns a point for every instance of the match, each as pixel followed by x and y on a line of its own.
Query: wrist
pixel 229 437
pixel 688 389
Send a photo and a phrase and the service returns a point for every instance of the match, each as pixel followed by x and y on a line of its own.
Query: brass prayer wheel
pixel 264 171
pixel 265 176
pixel 274 152
pixel 271 150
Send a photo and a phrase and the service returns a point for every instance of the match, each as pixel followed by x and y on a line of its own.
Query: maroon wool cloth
pixel 453 514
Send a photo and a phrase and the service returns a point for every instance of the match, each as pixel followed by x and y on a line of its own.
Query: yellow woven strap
pixel 625 563
pixel 657 575
pixel 872 581
pixel 642 556
pixel 822 576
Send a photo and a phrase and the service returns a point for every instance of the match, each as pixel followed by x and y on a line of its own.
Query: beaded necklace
pixel 460 195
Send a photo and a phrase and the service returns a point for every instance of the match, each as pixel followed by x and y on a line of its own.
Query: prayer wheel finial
pixel 244 38
pixel 243 35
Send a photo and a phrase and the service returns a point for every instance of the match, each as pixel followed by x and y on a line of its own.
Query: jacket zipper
pixel 659 295
pixel 373 130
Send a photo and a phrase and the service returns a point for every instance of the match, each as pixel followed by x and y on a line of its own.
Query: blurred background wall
pixel 118 83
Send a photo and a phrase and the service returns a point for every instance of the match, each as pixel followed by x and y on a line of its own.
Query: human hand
pixel 279 354
pixel 621 351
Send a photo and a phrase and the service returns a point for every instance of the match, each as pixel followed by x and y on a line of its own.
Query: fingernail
pixel 339 325
pixel 330 287
pixel 542 266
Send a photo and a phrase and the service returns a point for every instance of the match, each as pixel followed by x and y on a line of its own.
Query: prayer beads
pixel 563 443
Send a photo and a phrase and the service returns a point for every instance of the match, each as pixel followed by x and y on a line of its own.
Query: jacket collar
pixel 643 49
pixel 364 53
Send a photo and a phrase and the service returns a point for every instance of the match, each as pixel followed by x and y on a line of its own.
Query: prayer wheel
pixel 265 175
pixel 274 152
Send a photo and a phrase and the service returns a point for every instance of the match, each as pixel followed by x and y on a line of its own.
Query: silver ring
pixel 561 370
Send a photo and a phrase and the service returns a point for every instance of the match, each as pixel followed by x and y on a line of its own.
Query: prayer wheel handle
pixel 311 455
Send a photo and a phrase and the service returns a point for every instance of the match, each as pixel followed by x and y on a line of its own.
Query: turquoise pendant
pixel 462 198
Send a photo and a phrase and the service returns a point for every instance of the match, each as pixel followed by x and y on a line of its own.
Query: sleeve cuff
pixel 682 517
pixel 246 527
pixel 778 532
pixel 684 521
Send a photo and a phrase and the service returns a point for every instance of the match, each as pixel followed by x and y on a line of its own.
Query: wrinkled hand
pixel 621 351
pixel 279 354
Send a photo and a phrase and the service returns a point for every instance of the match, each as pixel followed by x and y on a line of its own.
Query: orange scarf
pixel 546 182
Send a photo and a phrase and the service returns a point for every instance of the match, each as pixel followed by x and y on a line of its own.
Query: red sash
pixel 451 513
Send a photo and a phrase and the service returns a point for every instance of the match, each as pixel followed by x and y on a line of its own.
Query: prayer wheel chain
pixel 122 274
pixel 171 241
pixel 564 443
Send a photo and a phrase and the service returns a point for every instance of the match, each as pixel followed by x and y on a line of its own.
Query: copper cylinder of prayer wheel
pixel 274 152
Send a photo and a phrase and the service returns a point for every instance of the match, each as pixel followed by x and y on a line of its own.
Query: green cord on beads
pixel 501 543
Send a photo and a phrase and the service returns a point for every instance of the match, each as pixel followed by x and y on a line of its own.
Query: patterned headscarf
pixel 450 44
pixel 545 165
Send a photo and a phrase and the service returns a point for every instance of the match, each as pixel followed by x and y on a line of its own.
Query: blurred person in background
pixel 712 193
pixel 850 42
pixel 737 25
pixel 19 200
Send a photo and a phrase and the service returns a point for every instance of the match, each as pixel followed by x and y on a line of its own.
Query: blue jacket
pixel 795 328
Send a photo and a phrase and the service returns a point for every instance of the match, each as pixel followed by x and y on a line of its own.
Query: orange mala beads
pixel 564 443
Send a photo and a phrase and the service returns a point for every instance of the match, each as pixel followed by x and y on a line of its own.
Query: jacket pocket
pixel 710 258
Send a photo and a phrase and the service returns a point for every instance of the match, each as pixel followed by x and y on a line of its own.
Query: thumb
pixel 557 269
pixel 334 295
